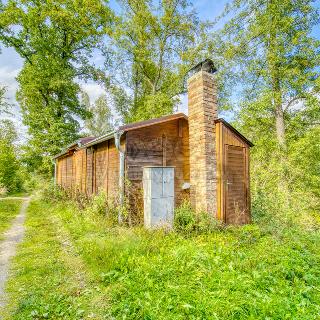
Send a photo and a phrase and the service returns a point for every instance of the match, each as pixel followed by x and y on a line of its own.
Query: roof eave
pixel 60 154
pixel 103 138
pixel 151 122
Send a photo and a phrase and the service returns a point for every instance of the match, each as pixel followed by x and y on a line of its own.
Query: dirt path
pixel 8 246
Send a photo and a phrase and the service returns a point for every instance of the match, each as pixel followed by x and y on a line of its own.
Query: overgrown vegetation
pixel 227 273
pixel 186 221
pixel 268 76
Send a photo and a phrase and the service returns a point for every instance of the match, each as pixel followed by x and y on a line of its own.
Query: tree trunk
pixel 273 57
pixel 279 114
pixel 274 62
pixel 136 84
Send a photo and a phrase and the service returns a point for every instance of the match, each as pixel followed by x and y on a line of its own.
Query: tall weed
pixel 99 205
pixel 186 220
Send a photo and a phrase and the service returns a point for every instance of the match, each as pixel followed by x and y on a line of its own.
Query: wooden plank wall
pixel 63 171
pixel 225 136
pixel 106 166
pixel 58 172
pixel 83 171
pixel 101 165
pixel 69 171
pixel 113 170
pixel 78 159
pixel 165 144
pixel 91 170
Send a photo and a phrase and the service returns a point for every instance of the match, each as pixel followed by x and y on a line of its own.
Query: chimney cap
pixel 205 65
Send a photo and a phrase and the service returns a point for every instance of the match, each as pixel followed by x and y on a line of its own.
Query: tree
pixel 4 104
pixel 272 62
pixel 55 39
pixel 271 50
pixel 8 131
pixel 155 45
pixel 9 165
pixel 101 120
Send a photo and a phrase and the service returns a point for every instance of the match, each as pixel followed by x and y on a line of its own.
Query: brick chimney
pixel 202 107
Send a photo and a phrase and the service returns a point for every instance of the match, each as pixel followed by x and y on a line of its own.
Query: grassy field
pixel 74 266
pixel 8 210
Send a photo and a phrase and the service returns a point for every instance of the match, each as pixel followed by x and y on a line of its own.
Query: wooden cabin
pixel 210 157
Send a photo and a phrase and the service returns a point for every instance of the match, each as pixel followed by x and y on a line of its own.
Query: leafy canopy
pixel 269 49
pixel 55 39
pixel 155 44
pixel 9 164
pixel 101 120
pixel 271 59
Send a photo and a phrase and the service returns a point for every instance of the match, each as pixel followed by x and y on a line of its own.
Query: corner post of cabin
pixel 202 108
pixel 55 171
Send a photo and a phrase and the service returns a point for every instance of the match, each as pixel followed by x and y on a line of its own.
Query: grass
pixel 15 194
pixel 47 278
pixel 80 268
pixel 8 210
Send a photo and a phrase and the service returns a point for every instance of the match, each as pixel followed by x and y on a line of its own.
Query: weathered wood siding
pixel 59 171
pixel 84 171
pixel 78 159
pixel 64 171
pixel 113 170
pixel 89 171
pixel 164 144
pixel 106 168
pixel 232 155
pixel 92 169
pixel 102 165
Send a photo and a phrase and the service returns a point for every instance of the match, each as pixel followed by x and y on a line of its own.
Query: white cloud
pixel 10 66
pixel 94 90
pixel 8 80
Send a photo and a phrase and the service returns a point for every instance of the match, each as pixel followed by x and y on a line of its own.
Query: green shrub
pixel 99 205
pixel 206 223
pixel 187 221
pixel 184 218
pixel 113 213
pixel 53 193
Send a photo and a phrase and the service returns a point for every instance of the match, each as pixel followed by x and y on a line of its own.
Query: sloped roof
pixel 76 144
pixel 146 123
pixel 85 140
pixel 91 141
